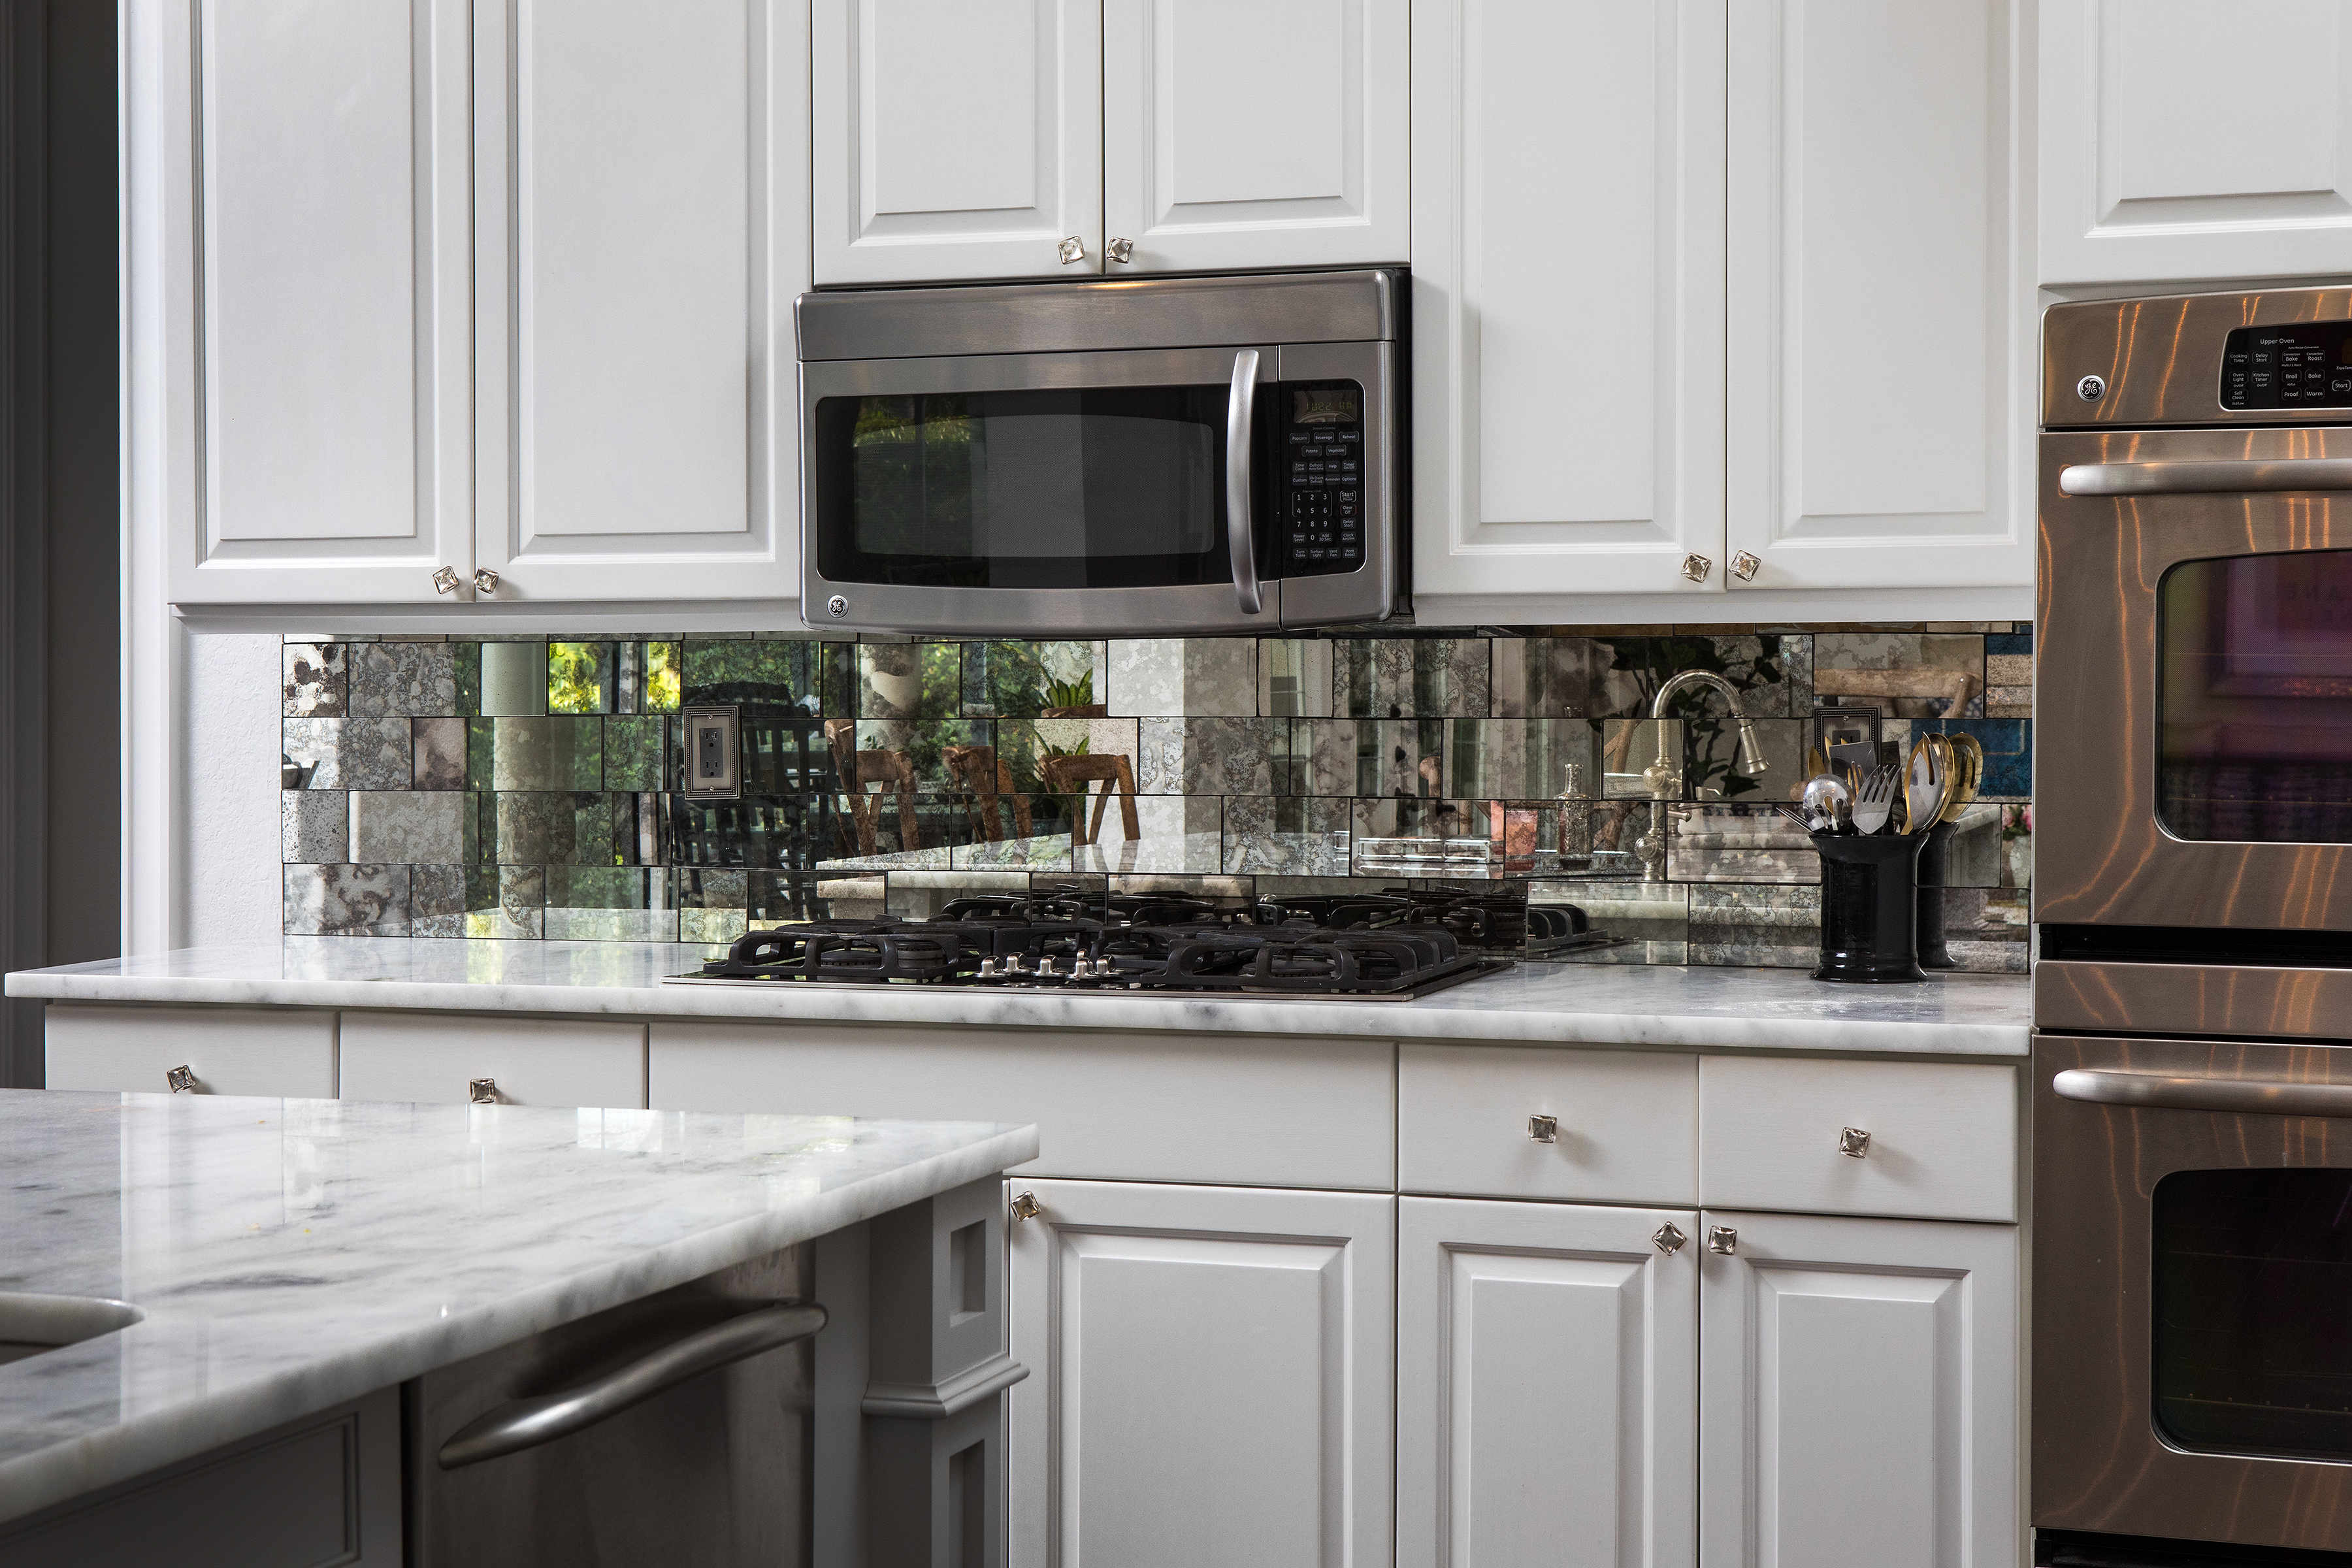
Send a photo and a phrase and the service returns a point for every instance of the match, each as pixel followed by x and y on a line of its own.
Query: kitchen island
pixel 291 1259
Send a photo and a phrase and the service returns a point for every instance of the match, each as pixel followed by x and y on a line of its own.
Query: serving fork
pixel 1874 803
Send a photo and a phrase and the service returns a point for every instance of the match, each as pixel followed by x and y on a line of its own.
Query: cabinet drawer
pixel 1942 1137
pixel 1626 1124
pixel 277 1051
pixel 1293 1111
pixel 533 1061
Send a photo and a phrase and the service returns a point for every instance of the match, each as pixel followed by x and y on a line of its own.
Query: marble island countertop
pixel 289 1254
pixel 1977 1015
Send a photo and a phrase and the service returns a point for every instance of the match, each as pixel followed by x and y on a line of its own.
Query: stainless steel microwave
pixel 1097 458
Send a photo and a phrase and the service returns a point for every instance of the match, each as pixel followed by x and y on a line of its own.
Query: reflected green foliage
pixel 580 677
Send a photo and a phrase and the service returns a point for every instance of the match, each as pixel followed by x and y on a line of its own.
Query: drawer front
pixel 1290 1112
pixel 281 1052
pixel 1625 1123
pixel 532 1061
pixel 1942 1137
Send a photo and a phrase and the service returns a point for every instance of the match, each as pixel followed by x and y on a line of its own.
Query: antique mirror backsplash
pixel 554 788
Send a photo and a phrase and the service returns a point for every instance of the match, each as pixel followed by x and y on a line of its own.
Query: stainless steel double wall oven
pixel 1084 459
pixel 2192 1199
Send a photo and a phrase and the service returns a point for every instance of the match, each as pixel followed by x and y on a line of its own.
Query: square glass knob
pixel 180 1080
pixel 1854 1141
pixel 1543 1129
pixel 482 1090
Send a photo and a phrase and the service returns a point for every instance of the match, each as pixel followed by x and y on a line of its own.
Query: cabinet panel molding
pixel 956 140
pixel 2181 140
pixel 1291 150
pixel 1860 1404
pixel 1880 367
pixel 1211 1376
pixel 1546 1384
pixel 1568 203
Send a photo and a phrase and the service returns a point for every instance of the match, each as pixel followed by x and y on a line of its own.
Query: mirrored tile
pixel 633 751
pixel 1645 922
pixel 346 900
pixel 407 680
pixel 348 754
pixel 313 826
pixel 582 676
pixel 437 901
pixel 1182 676
pixel 437 750
pixel 1210 756
pixel 318 678
pixel 2017 847
pixel 1543 678
pixel 1765 927
pixel 1290 836
pixel 1177 834
pixel 1295 677
pixel 919 754
pixel 2007 750
pixel 556 753
pixel 534 827
pixel 411 826
pixel 1413 677
pixel 1021 680
pixel 609 903
pixel 1972 855
pixel 902 679
pixel 776 674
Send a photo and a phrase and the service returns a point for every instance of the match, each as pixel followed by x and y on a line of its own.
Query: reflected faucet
pixel 1664 776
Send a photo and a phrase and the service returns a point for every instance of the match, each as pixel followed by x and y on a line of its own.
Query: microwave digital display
pixel 1323 405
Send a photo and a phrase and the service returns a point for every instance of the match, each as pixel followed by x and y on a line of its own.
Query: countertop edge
pixel 1370 1020
pixel 76 1466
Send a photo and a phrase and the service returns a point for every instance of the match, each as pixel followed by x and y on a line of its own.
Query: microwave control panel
pixel 2301 365
pixel 1322 477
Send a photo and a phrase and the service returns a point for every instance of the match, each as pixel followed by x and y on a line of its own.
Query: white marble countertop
pixel 293 1254
pixel 1973 1015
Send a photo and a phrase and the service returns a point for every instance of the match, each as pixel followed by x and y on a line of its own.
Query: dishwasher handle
pixel 2214 478
pixel 527 1423
pixel 2223 1096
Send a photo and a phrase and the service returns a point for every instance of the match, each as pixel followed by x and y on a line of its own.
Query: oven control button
pixel 2091 388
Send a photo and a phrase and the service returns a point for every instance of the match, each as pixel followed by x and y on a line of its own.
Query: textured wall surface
pixel 433 788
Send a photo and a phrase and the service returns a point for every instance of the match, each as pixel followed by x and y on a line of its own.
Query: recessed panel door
pixel 957 138
pixel 1209 1377
pixel 316 305
pixel 642 234
pixel 1240 135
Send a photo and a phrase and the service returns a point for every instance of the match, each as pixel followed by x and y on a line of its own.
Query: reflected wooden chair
pixel 1070 775
pixel 895 770
pixel 979 770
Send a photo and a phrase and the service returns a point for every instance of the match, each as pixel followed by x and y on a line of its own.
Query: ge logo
pixel 837 606
pixel 2090 389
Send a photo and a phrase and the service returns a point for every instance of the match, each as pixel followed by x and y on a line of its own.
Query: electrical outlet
pixel 714 753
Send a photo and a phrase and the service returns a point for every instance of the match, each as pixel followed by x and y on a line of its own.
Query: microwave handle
pixel 1240 533
pixel 2223 1096
pixel 2205 479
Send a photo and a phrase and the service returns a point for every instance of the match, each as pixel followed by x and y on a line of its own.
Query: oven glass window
pixel 2252 1312
pixel 2256 688
pixel 1118 487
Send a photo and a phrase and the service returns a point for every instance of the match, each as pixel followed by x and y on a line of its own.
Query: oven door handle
pixel 1240 533
pixel 2205 479
pixel 2223 1096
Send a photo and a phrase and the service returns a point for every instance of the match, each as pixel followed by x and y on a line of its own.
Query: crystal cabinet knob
pixel 1696 567
pixel 482 1090
pixel 486 580
pixel 1745 566
pixel 1026 1206
pixel 1854 1141
pixel 1723 1239
pixel 1543 1129
pixel 446 581
pixel 180 1080
pixel 1668 1239
pixel 1120 250
pixel 1072 249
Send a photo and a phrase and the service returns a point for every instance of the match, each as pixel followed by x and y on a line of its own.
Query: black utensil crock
pixel 1870 907
pixel 1933 953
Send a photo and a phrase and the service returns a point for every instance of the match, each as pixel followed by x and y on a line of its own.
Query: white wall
pixel 230 888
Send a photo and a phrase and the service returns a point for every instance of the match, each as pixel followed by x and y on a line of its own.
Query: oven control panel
pixel 1322 488
pixel 2302 364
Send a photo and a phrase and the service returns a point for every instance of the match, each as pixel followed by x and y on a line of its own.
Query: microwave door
pixel 1070 494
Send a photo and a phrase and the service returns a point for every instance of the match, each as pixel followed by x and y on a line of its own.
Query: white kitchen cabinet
pixel 1547 1385
pixel 1568 296
pixel 281 1052
pixel 642 224
pixel 1880 365
pixel 956 139
pixel 1238 134
pixel 1623 1125
pixel 441 286
pixel 2184 140
pixel 303 298
pixel 430 1057
pixel 1859 1405
pixel 1210 1376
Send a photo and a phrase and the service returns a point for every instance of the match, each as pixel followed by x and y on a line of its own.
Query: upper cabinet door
pixel 1881 368
pixel 957 138
pixel 300 288
pixel 1238 134
pixel 1568 299
pixel 642 233
pixel 2186 139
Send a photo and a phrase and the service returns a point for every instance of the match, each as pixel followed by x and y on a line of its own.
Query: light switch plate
pixel 714 753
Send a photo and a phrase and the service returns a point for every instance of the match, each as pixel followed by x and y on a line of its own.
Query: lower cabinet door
pixel 1209 1376
pixel 1547 1385
pixel 1859 1406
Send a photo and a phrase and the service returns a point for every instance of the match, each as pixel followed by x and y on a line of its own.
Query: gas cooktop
pixel 1395 944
